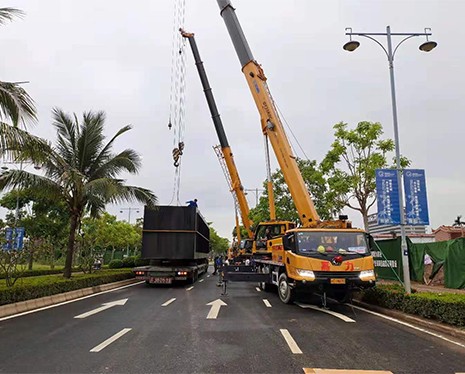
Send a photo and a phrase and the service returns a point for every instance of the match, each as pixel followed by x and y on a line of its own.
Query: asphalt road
pixel 247 336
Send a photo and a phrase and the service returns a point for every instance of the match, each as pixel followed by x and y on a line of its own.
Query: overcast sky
pixel 116 56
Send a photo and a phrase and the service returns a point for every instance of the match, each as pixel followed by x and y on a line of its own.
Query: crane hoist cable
pixel 177 110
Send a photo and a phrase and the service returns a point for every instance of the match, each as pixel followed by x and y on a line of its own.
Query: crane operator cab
pixel 269 235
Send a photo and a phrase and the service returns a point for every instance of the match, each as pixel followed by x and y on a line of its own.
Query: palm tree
pixel 81 170
pixel 15 102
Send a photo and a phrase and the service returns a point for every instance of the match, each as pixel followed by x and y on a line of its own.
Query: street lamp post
pixel 129 209
pixel 427 46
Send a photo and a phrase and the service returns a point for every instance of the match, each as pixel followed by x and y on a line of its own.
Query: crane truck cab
pixel 333 261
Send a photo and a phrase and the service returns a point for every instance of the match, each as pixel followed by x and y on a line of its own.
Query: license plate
pixel 160 280
pixel 337 281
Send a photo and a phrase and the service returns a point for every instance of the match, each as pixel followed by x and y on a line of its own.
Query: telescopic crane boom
pixel 236 184
pixel 271 123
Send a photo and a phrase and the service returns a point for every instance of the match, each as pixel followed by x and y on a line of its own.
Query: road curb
pixel 437 327
pixel 25 306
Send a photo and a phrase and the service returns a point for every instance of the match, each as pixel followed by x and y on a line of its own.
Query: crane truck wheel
pixel 285 292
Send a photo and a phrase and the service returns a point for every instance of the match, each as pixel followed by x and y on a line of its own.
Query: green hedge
pixel 444 307
pixel 36 273
pixel 35 287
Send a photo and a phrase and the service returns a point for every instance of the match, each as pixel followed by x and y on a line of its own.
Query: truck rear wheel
pixel 285 292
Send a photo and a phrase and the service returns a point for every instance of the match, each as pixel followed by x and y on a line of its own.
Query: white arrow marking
pixel 290 341
pixel 107 342
pixel 215 308
pixel 267 303
pixel 168 302
pixel 102 308
pixel 335 314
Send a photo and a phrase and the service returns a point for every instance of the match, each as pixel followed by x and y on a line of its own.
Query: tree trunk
pixel 365 219
pixel 70 250
pixel 31 259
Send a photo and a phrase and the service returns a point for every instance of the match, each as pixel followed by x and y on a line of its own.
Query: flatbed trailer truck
pixel 175 241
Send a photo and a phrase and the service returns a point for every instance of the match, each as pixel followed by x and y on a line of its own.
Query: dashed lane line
pixel 168 302
pixel 258 289
pixel 410 325
pixel 201 280
pixel 190 288
pixel 335 314
pixel 290 341
pixel 267 303
pixel 110 340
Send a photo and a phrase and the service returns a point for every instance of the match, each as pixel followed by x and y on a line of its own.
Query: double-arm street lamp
pixel 427 46
pixel 129 209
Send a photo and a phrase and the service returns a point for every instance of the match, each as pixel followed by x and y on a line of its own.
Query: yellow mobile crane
pixel 272 227
pixel 325 256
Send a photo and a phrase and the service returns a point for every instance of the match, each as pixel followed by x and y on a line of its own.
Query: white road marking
pixel 68 302
pixel 208 276
pixel 290 341
pixel 215 308
pixel 107 342
pixel 201 280
pixel 168 302
pixel 410 325
pixel 190 288
pixel 258 289
pixel 267 303
pixel 104 306
pixel 335 314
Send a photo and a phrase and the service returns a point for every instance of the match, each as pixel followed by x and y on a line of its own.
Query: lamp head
pixel 428 46
pixel 351 45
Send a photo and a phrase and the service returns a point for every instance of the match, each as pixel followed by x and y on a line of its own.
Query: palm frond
pixel 7 14
pixel 114 191
pixel 19 145
pixel 16 104
pixel 91 139
pixel 126 161
pixel 22 179
pixel 105 152
pixel 67 130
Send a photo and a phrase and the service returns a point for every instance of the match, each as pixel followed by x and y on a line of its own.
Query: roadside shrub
pixel 115 264
pixel 447 308
pixel 35 287
pixel 128 262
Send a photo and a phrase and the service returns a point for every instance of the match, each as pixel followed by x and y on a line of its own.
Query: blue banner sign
pixel 19 238
pixel 14 238
pixel 416 203
pixel 8 239
pixel 387 194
